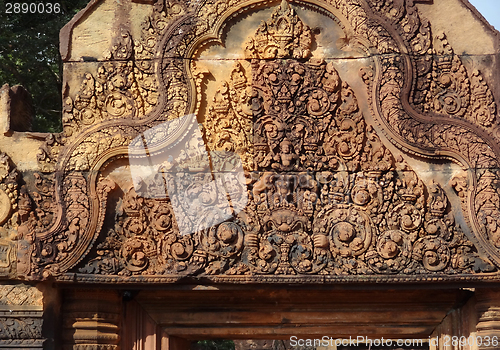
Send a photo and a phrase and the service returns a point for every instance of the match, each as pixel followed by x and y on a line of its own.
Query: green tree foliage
pixel 29 56
pixel 213 345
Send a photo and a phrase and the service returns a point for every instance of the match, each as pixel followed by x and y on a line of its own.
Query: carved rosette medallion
pixel 285 179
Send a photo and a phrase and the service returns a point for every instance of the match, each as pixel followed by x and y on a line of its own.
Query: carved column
pixel 21 311
pixel 474 326
pixel 91 320
pixel 488 311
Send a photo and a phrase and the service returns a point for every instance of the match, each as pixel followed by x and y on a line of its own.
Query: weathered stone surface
pixel 255 141
pixel 16 105
pixel 21 311
pixel 318 123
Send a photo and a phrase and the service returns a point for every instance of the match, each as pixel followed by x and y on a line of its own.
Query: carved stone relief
pixel 10 215
pixel 287 175
pixel 20 317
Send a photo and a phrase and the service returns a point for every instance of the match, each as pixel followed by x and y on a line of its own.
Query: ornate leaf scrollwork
pixel 450 124
pixel 222 241
pixel 488 206
pixel 326 196
pixel 433 252
pixel 20 328
pixel 349 231
pixel 394 252
pixel 326 199
pixel 453 91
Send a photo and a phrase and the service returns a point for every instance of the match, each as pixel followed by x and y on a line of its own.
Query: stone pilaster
pixel 91 320
pixel 488 311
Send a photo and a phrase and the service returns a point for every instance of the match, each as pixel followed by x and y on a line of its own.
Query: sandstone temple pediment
pixel 239 143
pixel 264 142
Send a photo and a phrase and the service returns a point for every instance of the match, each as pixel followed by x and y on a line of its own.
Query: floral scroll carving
pixel 451 90
pixel 328 199
pixel 21 322
pixel 325 198
pixel 444 88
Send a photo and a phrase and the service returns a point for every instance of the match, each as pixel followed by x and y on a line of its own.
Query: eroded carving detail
pixel 49 152
pixel 229 124
pixel 20 328
pixel 9 215
pixel 20 294
pixel 488 204
pixel 326 196
pixel 283 36
pixel 21 317
pixel 450 90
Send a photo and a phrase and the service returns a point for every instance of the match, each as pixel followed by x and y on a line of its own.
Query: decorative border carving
pixel 421 95
pixel 21 317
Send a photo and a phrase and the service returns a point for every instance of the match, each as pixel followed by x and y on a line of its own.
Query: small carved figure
pixel 286 157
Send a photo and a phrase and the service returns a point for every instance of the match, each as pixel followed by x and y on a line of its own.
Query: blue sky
pixel 490 9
